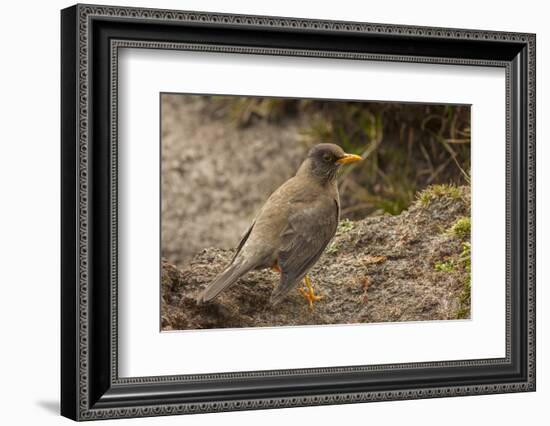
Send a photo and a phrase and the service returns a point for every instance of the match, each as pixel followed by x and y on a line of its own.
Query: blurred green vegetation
pixel 460 230
pixel 407 146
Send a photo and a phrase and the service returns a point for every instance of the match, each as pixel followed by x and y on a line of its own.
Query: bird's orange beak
pixel 349 158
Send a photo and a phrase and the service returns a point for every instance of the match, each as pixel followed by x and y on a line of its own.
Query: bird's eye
pixel 327 158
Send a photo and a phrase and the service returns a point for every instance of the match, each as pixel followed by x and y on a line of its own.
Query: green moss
pixel 463 264
pixel 345 225
pixel 463 311
pixel 445 266
pixel 332 248
pixel 434 192
pixel 465 261
pixel 461 228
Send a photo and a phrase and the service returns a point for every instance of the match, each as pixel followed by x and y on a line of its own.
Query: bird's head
pixel 324 160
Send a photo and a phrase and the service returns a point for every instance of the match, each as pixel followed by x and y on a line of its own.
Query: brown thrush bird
pixel 293 227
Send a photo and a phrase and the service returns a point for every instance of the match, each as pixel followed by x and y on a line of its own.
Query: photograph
pixel 300 212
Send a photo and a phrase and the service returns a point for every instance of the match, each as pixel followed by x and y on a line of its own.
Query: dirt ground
pixel 409 267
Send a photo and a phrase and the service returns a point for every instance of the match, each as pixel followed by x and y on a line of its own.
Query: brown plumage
pixel 293 227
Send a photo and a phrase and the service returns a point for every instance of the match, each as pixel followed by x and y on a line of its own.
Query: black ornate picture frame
pixel 90 385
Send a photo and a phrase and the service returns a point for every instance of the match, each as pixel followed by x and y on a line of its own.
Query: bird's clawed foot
pixel 308 292
pixel 276 267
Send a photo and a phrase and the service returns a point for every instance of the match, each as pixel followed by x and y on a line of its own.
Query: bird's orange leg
pixel 308 293
pixel 276 267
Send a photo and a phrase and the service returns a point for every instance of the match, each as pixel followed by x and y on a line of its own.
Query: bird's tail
pixel 229 276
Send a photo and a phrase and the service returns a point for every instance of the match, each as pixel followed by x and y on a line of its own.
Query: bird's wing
pixel 311 227
pixel 243 240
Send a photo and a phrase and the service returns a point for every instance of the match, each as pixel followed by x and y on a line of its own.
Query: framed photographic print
pixel 263 212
